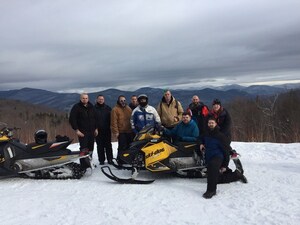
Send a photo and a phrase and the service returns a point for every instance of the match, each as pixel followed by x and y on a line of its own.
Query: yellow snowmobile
pixel 154 152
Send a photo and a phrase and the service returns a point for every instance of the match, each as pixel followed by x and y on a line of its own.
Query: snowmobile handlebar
pixel 9 132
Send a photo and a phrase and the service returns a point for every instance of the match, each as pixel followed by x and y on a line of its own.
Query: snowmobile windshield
pixel 147 129
pixel 145 133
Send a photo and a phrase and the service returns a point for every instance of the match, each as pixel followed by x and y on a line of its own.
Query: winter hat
pixel 216 102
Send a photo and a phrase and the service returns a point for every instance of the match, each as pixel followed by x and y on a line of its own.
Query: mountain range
pixel 64 101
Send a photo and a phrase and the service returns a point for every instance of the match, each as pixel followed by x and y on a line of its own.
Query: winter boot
pixel 241 176
pixel 209 194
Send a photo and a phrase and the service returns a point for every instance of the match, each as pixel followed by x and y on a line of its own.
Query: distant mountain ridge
pixel 64 101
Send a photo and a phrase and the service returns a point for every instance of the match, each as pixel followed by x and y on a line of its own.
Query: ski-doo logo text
pixel 154 153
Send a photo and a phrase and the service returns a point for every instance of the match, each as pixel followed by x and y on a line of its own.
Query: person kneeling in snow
pixel 217 148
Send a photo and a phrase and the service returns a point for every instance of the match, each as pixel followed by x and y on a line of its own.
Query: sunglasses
pixel 122 100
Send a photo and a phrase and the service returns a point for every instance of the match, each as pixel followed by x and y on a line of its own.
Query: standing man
pixel 120 125
pixel 103 139
pixel 133 102
pixel 169 110
pixel 217 148
pixel 199 113
pixel 83 121
pixel 143 115
pixel 222 117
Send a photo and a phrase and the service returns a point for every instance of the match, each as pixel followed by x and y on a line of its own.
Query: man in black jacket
pixel 83 121
pixel 199 113
pixel 103 139
pixel 217 149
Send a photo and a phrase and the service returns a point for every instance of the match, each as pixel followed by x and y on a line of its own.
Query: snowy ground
pixel 272 196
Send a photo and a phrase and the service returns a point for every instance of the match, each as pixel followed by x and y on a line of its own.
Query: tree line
pixel 264 119
pixel 267 119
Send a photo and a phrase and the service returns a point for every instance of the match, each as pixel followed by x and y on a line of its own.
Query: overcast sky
pixel 76 45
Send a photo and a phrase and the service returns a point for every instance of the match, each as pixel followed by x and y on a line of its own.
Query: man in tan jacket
pixel 169 110
pixel 120 125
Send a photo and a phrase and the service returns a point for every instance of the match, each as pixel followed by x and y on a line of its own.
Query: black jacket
pixel 223 120
pixel 102 116
pixel 199 114
pixel 83 118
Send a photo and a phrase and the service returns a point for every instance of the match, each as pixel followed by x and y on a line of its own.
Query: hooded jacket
pixel 168 112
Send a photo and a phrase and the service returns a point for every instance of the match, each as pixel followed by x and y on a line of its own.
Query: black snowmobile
pixel 42 159
pixel 154 152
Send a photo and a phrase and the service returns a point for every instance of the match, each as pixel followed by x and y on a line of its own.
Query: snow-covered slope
pixel 272 195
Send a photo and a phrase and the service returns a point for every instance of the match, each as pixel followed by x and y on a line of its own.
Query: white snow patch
pixel 272 195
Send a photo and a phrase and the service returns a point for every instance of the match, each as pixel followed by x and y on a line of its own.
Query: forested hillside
pixel 29 118
pixel 264 119
pixel 267 119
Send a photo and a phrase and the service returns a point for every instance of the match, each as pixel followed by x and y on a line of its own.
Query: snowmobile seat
pixel 35 148
pixel 186 149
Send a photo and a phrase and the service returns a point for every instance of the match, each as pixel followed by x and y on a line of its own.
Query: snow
pixel 272 195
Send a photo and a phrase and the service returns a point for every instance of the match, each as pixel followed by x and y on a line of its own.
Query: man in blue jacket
pixel 143 115
pixel 186 131
pixel 217 148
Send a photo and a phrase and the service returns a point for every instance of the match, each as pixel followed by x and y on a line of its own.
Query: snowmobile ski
pixel 120 167
pixel 131 180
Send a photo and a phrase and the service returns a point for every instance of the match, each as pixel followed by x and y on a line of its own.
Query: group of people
pixel 210 128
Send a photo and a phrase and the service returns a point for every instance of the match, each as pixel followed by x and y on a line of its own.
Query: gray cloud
pixel 75 45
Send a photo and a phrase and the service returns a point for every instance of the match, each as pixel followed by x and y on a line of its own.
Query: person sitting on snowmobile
pixel 217 147
pixel 186 131
pixel 143 115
